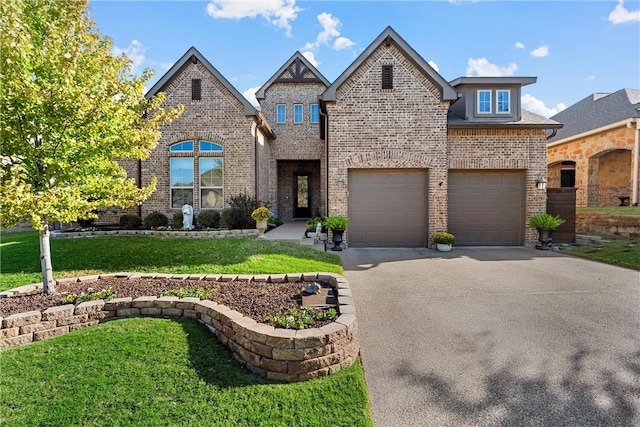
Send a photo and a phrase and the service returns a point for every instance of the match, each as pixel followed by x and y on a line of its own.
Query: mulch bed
pixel 256 300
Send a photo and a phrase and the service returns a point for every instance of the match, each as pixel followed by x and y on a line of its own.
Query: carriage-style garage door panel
pixel 387 207
pixel 487 207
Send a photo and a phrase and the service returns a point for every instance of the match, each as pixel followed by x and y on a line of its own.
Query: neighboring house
pixel 390 144
pixel 595 150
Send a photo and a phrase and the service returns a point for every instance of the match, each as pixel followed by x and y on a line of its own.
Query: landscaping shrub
pixel 178 220
pixel 155 220
pixel 209 219
pixel 130 221
pixel 241 205
pixel 86 223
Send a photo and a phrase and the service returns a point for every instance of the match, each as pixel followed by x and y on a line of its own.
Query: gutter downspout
pixel 636 165
pixel 554 132
pixel 326 160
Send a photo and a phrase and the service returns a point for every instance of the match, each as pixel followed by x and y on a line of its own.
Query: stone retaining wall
pixel 627 226
pixel 156 233
pixel 279 354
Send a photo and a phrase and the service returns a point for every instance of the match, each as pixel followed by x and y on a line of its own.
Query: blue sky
pixel 575 48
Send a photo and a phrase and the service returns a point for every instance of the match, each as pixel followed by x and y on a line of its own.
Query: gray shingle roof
pixel 528 119
pixel 598 110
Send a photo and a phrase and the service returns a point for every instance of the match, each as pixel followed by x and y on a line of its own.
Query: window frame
pixel 281 118
pixel 298 110
pixel 480 103
pixel 498 102
pixel 211 187
pixel 314 115
pixel 181 187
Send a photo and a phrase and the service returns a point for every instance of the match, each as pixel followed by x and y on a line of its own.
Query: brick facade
pixel 365 126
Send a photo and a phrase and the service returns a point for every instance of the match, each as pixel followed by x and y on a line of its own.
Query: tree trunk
pixel 49 285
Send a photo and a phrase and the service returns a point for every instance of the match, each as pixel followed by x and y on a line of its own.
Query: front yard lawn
pixel 20 257
pixel 162 372
pixel 625 253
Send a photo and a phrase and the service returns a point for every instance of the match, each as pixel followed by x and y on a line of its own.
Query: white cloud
pixel 590 78
pixel 519 45
pixel 311 57
pixel 622 15
pixel 540 52
pixel 277 12
pixel 481 67
pixel 434 66
pixel 135 52
pixel 342 43
pixel 330 32
pixel 533 104
pixel 250 94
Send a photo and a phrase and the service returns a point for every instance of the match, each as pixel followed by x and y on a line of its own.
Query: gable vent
pixel 387 77
pixel 196 89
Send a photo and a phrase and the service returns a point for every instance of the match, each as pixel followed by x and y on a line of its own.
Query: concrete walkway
pixel 289 231
pixel 496 337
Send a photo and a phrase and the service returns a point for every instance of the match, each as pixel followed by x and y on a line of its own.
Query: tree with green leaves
pixel 69 111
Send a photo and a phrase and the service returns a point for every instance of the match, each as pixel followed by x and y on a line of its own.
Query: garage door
pixel 387 207
pixel 487 207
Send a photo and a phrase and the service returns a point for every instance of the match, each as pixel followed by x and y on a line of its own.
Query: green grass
pixel 20 257
pixel 611 210
pixel 625 253
pixel 161 372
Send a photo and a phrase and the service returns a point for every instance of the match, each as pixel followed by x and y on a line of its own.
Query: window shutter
pixel 387 77
pixel 196 89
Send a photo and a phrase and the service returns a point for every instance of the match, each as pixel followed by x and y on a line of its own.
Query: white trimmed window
pixel 314 113
pixel 210 173
pixel 484 102
pixel 503 104
pixel 281 113
pixel 297 113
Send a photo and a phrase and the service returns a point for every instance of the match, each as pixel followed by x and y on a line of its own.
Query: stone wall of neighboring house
pixel 503 149
pixel 603 166
pixel 294 141
pixel 218 117
pixel 403 127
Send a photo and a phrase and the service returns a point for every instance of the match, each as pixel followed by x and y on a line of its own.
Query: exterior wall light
pixel 541 183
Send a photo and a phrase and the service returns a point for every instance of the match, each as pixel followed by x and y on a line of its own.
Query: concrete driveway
pixel 496 337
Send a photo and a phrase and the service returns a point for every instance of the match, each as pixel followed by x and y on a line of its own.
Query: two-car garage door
pixel 487 208
pixel 389 207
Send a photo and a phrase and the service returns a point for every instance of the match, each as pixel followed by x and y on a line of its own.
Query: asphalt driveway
pixel 496 337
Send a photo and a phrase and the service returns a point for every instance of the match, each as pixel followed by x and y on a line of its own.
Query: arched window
pixel 205 162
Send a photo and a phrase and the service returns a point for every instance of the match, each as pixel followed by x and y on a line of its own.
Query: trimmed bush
pixel 178 220
pixel 209 219
pixel 155 220
pixel 130 221
pixel 233 218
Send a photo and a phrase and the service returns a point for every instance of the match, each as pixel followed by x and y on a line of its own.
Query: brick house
pixel 595 150
pixel 390 144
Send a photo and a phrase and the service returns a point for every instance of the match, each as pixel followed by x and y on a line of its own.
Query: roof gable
pixel 193 55
pixel 296 69
pixel 447 92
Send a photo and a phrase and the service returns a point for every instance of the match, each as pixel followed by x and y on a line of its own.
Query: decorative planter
pixel 544 239
pixel 261 225
pixel 443 247
pixel 336 238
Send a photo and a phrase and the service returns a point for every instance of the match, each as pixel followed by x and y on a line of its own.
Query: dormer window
pixel 503 105
pixel 484 102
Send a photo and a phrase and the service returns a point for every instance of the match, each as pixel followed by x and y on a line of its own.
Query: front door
pixel 302 196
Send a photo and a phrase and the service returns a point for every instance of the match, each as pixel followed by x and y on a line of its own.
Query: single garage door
pixel 487 208
pixel 387 208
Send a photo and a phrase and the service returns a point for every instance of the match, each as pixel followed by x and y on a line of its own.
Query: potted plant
pixel 444 240
pixel 545 224
pixel 260 216
pixel 336 224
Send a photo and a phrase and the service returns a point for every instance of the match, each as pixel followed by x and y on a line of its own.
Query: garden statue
pixel 187 217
